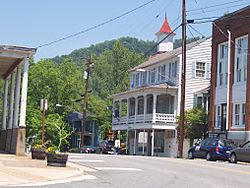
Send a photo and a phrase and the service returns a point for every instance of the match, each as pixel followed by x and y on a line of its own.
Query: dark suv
pixel 212 149
pixel 106 146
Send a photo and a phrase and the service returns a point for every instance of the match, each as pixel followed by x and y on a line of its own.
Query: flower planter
pixel 58 159
pixel 38 153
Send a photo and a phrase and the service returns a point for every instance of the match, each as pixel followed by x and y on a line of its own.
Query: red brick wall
pixel 239 25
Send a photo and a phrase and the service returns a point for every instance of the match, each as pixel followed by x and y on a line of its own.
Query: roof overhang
pixel 161 88
pixel 11 57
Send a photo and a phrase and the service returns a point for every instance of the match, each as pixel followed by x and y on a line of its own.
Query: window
pixel 137 80
pixel 220 74
pixel 200 69
pixel 152 76
pixel 132 81
pixel 240 70
pixel 237 114
pixel 222 64
pixel 243 114
pixel 144 78
pixel 162 73
pixel 199 101
pixel 172 70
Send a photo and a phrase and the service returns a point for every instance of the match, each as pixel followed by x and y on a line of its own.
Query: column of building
pixel 13 135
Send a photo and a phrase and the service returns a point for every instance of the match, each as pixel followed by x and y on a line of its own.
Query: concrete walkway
pixel 24 171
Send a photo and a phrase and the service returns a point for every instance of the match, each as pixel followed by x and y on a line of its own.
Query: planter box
pixel 59 159
pixel 38 153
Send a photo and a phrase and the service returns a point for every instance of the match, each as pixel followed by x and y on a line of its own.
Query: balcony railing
pixel 148 118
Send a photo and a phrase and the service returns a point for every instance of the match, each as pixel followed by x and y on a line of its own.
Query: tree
pixel 196 121
pixel 111 72
pixel 62 84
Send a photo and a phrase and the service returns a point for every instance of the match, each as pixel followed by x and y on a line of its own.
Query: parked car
pixel 106 146
pixel 212 149
pixel 241 153
pixel 88 149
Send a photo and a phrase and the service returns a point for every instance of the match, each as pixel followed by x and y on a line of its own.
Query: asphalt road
pixel 117 171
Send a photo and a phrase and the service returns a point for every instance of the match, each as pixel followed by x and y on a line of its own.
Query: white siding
pixel 200 53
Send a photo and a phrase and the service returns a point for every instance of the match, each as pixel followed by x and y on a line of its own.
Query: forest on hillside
pixel 60 80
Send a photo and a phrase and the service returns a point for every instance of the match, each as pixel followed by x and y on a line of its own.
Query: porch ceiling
pixel 146 90
pixel 11 57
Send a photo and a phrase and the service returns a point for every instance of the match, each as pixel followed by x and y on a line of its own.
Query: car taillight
pixel 217 149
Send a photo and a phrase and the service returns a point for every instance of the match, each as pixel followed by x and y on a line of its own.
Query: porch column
pixel 136 107
pixel 143 144
pixel 127 110
pixel 154 107
pixel 12 88
pixel 175 104
pixel 17 97
pixel 24 93
pixel 153 142
pixel 5 103
pixel 145 107
pixel 135 143
pixel 120 108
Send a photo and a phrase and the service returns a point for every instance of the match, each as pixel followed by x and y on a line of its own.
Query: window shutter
pixel 208 71
pixel 193 69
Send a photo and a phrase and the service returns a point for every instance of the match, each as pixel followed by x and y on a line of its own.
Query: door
pixel 245 152
pixel 223 117
pixel 200 151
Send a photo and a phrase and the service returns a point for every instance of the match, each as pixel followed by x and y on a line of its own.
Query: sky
pixel 33 23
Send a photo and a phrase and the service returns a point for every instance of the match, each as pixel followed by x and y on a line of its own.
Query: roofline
pixel 232 14
pixel 173 55
pixel 142 88
pixel 19 49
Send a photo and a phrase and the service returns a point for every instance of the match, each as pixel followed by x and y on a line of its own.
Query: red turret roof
pixel 165 28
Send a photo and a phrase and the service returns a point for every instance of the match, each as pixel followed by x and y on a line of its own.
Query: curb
pixel 77 176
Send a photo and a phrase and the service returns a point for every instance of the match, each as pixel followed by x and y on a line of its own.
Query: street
pixel 142 172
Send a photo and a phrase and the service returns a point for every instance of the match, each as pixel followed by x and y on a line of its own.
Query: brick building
pixel 230 85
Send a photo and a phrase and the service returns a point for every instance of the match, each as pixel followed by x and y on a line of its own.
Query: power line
pixel 222 32
pixel 195 30
pixel 198 44
pixel 162 40
pixel 219 9
pixel 217 5
pixel 155 17
pixel 96 26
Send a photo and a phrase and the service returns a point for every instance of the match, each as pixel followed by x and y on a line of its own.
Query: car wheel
pixel 233 158
pixel 208 157
pixel 190 155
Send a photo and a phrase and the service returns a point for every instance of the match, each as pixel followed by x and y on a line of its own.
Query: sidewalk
pixel 24 171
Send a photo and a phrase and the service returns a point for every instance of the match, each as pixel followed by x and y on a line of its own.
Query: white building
pixel 149 108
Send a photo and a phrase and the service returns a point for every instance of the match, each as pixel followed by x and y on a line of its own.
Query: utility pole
pixel 88 64
pixel 183 80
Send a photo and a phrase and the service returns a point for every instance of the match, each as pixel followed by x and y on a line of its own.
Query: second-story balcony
pixel 145 109
pixel 148 118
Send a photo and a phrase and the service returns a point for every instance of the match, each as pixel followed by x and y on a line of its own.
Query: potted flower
pixel 54 158
pixel 38 152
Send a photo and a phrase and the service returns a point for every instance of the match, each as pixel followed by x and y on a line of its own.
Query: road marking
pixel 87 160
pixel 118 168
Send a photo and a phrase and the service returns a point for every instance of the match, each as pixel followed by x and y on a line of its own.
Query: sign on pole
pixel 46 104
pixel 143 137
